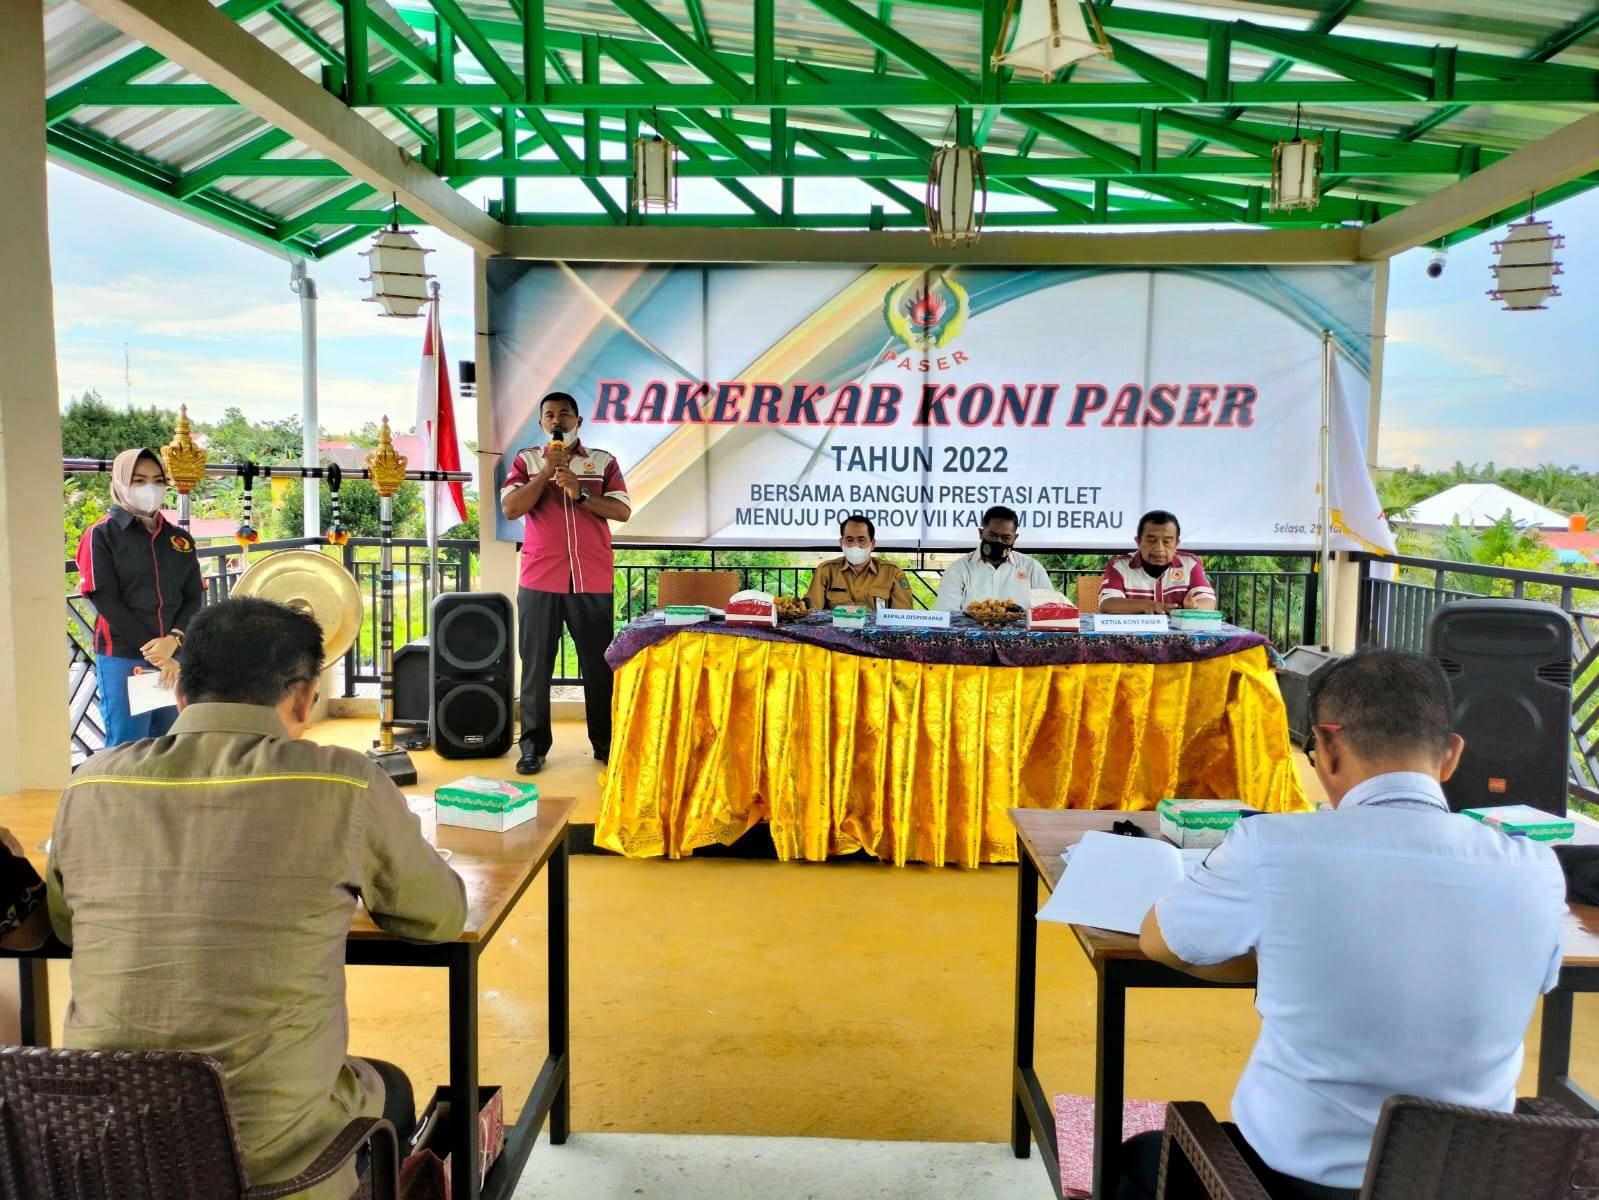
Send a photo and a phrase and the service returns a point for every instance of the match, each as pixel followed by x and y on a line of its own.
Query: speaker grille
pixel 1556 672
pixel 1451 667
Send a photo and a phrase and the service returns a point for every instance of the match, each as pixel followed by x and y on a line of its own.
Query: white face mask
pixel 857 555
pixel 148 497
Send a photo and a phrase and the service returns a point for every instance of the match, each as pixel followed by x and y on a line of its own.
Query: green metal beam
pixel 892 42
pixel 696 18
pixel 1158 71
pixel 574 165
pixel 719 130
pixel 533 49
pixel 706 62
pixel 132 65
pixel 472 38
pixel 356 52
pixel 1321 52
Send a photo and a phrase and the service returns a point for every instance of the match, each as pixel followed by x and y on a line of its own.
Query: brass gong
pixel 314 584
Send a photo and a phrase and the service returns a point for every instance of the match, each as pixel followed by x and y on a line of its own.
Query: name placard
pixel 1131 623
pixel 913 618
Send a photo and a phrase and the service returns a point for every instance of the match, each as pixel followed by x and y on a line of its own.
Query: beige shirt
pixel 835 582
pixel 206 881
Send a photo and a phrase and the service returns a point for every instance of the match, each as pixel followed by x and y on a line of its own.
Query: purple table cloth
pixel 965 643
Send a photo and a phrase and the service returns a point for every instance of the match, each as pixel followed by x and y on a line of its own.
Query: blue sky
pixel 209 321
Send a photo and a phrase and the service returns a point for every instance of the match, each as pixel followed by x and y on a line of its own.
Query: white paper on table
pixel 1112 881
pixel 146 694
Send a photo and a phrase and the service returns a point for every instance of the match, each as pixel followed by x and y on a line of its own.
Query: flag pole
pixel 431 509
pixel 1324 582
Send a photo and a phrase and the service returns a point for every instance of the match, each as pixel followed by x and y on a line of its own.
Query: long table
pixel 912 744
pixel 1119 965
pixel 497 869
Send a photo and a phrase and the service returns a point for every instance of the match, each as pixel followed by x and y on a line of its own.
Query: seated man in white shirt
pixel 1397 947
pixel 995 570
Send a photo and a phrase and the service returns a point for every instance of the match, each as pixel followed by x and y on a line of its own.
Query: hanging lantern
pixel 1047 36
pixel 1525 273
pixel 957 196
pixel 399 275
pixel 655 172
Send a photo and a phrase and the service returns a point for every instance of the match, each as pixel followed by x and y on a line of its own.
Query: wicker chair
pixel 714 588
pixel 1088 593
pixel 1422 1150
pixel 126 1125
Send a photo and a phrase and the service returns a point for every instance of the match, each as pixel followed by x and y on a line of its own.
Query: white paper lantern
pixel 399 275
pixel 655 172
pixel 1047 36
pixel 957 196
pixel 1296 174
pixel 1524 275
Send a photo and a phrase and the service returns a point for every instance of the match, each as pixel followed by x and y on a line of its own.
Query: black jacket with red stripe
pixel 143 584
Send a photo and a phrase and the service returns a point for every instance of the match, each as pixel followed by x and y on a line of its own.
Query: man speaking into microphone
pixel 568 494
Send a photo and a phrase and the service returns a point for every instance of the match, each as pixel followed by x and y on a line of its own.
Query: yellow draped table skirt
pixel 916 762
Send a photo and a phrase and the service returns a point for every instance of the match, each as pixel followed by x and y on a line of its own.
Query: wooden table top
pixel 1044 833
pixel 495 867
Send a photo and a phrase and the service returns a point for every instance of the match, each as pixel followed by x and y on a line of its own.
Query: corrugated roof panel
pixel 182 140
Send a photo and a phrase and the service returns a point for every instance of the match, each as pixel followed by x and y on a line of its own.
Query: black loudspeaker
pixel 470 675
pixel 412 684
pixel 1302 667
pixel 1509 668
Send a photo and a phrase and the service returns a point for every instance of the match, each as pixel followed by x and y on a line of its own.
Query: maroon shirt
pixel 565 546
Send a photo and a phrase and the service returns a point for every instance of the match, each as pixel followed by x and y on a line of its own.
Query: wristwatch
pixel 582 498
pixel 176 635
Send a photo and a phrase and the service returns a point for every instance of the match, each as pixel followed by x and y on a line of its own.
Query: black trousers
pixel 399 1106
pixel 1141 1171
pixel 540 616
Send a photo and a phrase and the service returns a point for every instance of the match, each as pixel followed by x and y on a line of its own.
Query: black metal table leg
pixel 1554 1042
pixel 463 1072
pixel 1110 1064
pixel 1021 1135
pixel 560 992
pixel 33 985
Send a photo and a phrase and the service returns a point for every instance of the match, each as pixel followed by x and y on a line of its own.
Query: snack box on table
pixel 1534 823
pixel 1199 823
pixel 686 614
pixel 492 804
pixel 1195 620
pixel 1051 610
pixel 751 608
pixel 850 616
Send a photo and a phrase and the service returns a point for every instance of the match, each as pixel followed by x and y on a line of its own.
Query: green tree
pixel 92 428
pixel 358 506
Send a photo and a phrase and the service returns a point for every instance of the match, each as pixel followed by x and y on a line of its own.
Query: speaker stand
pixel 396 764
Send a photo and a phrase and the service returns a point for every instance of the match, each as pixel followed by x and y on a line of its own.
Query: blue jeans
pixel 122 726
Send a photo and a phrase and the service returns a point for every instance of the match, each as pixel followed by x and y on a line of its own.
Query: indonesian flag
pixel 435 425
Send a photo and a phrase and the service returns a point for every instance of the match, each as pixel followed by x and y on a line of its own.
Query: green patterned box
pixel 849 616
pixel 481 803
pixel 1532 823
pixel 1198 823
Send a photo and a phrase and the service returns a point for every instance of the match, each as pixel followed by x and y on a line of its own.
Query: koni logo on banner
pixel 760 405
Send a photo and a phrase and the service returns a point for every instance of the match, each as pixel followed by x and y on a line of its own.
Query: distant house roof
pixel 1573 547
pixel 352 456
pixel 1478 505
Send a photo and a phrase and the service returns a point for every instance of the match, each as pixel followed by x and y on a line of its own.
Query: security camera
pixel 1435 264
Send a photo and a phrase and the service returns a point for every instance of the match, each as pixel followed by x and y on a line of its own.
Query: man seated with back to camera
pixel 1396 947
pixel 206 881
pixel 1158 578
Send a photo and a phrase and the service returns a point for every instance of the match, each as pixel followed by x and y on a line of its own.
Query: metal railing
pixel 1280 604
pixel 1395 606
pixel 221 564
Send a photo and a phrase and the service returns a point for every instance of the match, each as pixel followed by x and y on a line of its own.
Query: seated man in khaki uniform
pixel 206 881
pixel 859 577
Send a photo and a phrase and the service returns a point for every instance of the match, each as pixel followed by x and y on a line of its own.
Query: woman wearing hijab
pixel 144 581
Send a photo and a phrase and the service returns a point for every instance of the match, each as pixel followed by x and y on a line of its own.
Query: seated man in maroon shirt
pixel 1158 578
pixel 568 493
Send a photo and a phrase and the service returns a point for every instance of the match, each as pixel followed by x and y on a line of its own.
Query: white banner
pixel 761 405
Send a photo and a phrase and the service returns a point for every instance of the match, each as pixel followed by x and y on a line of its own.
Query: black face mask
pixel 994 551
pixel 1153 570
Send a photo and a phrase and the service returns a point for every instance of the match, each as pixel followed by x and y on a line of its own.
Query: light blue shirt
pixel 1401 948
